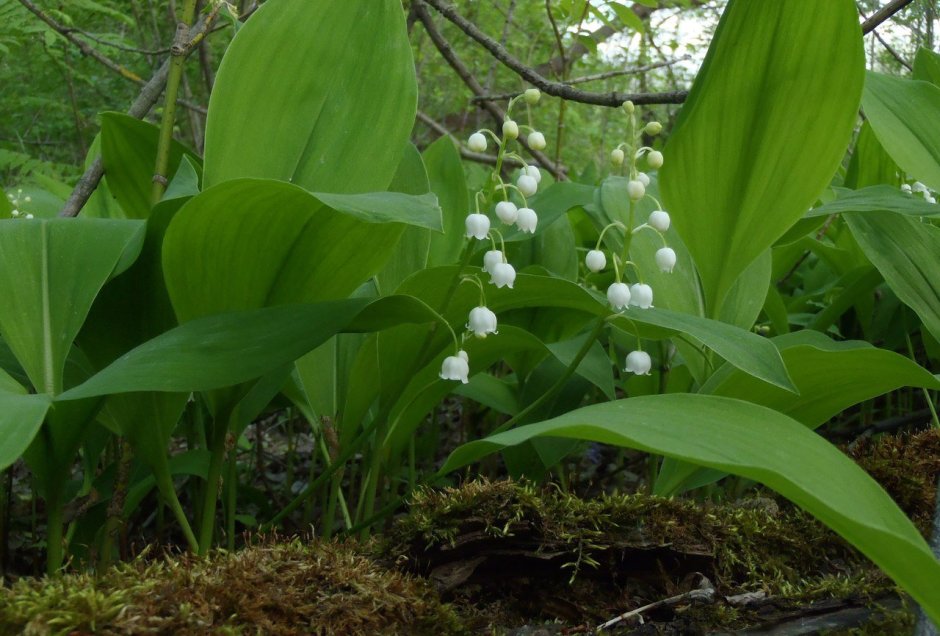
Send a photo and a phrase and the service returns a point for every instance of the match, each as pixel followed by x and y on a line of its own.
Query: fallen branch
pixel 704 593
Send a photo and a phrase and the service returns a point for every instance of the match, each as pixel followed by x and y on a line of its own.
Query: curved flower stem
pixel 559 383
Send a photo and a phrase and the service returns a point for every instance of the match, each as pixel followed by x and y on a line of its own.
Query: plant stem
pixel 54 522
pixel 178 52
pixel 168 491
pixel 216 459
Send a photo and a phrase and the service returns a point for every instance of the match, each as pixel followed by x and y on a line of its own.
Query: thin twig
pixel 705 593
pixel 883 14
pixel 478 157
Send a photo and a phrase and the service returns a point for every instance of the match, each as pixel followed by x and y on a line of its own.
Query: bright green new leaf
pixel 319 93
pixel 20 419
pixel 831 376
pixel 745 439
pixel 870 165
pixel 762 132
pixel 903 114
pixel 129 153
pixel 880 198
pixel 927 66
pixel 449 183
pixel 264 242
pixel 50 272
pixel 226 349
pixel 907 253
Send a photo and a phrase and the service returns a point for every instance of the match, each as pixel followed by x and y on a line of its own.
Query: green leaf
pixel 50 272
pixel 879 198
pixel 831 376
pixel 20 419
pixel 280 244
pixel 927 66
pixel 907 253
pixel 291 103
pixel 903 114
pixel 745 439
pixel 129 154
pixel 446 176
pixel 227 349
pixel 870 165
pixel 748 157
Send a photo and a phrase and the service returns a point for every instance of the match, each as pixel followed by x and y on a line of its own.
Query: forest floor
pixel 509 558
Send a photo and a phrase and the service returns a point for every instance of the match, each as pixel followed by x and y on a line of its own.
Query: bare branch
pixel 883 14
pixel 478 157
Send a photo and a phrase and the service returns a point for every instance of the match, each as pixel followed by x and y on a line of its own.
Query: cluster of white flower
pixel 919 188
pixel 16 200
pixel 482 320
pixel 620 295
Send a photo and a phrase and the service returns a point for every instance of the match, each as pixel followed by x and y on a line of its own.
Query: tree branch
pixel 478 157
pixel 558 89
pixel 883 14
pixel 447 52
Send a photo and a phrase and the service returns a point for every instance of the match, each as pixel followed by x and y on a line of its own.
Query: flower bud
pixel 14 213
pixel 653 128
pixel 507 212
pixel 510 129
pixel 456 367
pixel 616 157
pixel 906 188
pixel 628 107
pixel 636 190
pixel 527 185
pixel 482 321
pixel 659 220
pixel 596 260
pixel 477 142
pixel 666 259
pixel 491 259
pixel 527 220
pixel 536 140
pixel 478 226
pixel 643 178
pixel 503 275
pixel 618 295
pixel 639 362
pixel 29 216
pixel 532 96
pixel 534 172
pixel 641 296
pixel 655 159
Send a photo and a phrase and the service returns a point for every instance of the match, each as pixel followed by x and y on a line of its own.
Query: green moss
pixel 287 588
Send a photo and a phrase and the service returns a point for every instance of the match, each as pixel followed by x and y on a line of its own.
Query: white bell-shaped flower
pixel 477 142
pixel 636 189
pixel 534 172
pixel 29 216
pixel 617 157
pixel 659 220
pixel 641 295
pixel 639 362
pixel 478 225
pixel 596 260
pixel 503 275
pixel 655 159
pixel 456 367
pixel 643 178
pixel 919 187
pixel 507 212
pixel 510 129
pixel 618 295
pixel 482 321
pixel 491 259
pixel 536 140
pixel 906 188
pixel 527 220
pixel 527 185
pixel 666 259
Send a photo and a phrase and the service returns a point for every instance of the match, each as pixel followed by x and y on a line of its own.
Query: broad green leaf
pixel 879 198
pixel 448 182
pixel 870 165
pixel 226 349
pixel 745 439
pixel 907 253
pixel 20 419
pixel 265 242
pixel 831 376
pixel 927 66
pixel 748 157
pixel 129 153
pixel 746 297
pixel 50 272
pixel 903 114
pixel 290 102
